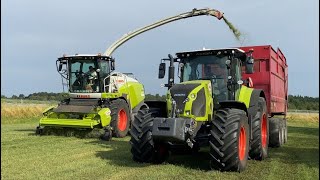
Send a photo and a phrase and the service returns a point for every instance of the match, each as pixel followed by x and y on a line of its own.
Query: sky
pixel 35 33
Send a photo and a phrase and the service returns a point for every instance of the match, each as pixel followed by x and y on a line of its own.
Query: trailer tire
pixel 275 133
pixel 143 148
pixel 120 117
pixel 229 140
pixel 260 132
pixel 285 131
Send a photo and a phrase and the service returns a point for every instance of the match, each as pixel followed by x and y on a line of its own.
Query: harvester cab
pixel 98 96
pixel 211 106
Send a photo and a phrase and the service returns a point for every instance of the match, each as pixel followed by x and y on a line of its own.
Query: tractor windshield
pixel 204 67
pixel 84 77
pixel 207 68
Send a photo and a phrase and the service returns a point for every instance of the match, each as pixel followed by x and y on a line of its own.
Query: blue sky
pixel 35 33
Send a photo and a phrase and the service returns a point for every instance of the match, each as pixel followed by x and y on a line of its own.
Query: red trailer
pixel 271 75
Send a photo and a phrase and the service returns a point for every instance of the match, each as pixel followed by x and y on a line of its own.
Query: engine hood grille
pixel 179 92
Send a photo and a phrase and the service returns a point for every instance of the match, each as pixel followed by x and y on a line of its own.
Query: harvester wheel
pixel 107 135
pixel 229 140
pixel 260 132
pixel 39 131
pixel 120 117
pixel 275 133
pixel 143 148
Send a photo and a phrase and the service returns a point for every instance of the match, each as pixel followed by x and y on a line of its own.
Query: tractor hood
pixel 189 97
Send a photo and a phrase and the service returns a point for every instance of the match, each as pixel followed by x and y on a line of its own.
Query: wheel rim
pixel 242 144
pixel 122 120
pixel 264 131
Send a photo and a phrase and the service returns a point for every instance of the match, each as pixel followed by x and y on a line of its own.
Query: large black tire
pixel 229 140
pixel 275 133
pixel 260 132
pixel 285 131
pixel 39 131
pixel 143 148
pixel 120 117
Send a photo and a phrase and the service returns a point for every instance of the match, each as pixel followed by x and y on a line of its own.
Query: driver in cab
pixel 92 76
pixel 217 72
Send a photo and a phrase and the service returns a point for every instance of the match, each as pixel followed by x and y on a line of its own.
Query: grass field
pixel 26 156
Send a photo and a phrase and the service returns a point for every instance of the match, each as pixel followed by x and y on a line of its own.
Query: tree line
pixel 295 101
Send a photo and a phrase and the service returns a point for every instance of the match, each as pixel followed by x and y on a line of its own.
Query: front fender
pixel 105 117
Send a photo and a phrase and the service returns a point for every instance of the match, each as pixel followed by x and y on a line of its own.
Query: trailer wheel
pixel 229 140
pixel 143 148
pixel 260 132
pixel 120 117
pixel 285 131
pixel 275 133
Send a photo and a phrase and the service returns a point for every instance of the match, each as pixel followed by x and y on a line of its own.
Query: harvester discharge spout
pixel 195 12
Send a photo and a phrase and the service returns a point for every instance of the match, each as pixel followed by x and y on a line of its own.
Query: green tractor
pixel 211 107
pixel 98 97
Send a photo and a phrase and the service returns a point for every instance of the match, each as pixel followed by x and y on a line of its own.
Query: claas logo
pixel 83 96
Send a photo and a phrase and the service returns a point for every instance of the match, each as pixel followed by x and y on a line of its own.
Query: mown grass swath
pixel 26 156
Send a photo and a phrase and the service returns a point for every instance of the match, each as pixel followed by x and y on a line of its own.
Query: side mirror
pixel 162 70
pixel 112 64
pixel 249 65
pixel 60 66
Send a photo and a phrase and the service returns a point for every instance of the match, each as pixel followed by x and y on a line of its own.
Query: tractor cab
pixel 85 73
pixel 221 66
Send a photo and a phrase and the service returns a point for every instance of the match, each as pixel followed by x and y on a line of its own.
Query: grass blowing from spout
pixel 235 31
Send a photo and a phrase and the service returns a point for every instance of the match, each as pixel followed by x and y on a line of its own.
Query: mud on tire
pixel 229 140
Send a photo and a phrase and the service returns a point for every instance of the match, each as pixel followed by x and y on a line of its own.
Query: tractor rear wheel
pixel 143 148
pixel 260 132
pixel 275 133
pixel 120 117
pixel 229 140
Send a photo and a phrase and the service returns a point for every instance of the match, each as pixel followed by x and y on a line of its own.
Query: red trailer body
pixel 271 75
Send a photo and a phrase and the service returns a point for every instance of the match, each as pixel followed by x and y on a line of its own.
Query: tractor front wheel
pixel 229 140
pixel 143 148
pixel 120 117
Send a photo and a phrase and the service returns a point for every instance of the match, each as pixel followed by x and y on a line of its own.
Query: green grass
pixel 26 156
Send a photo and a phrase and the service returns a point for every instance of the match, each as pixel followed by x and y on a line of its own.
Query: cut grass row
pixel 26 156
